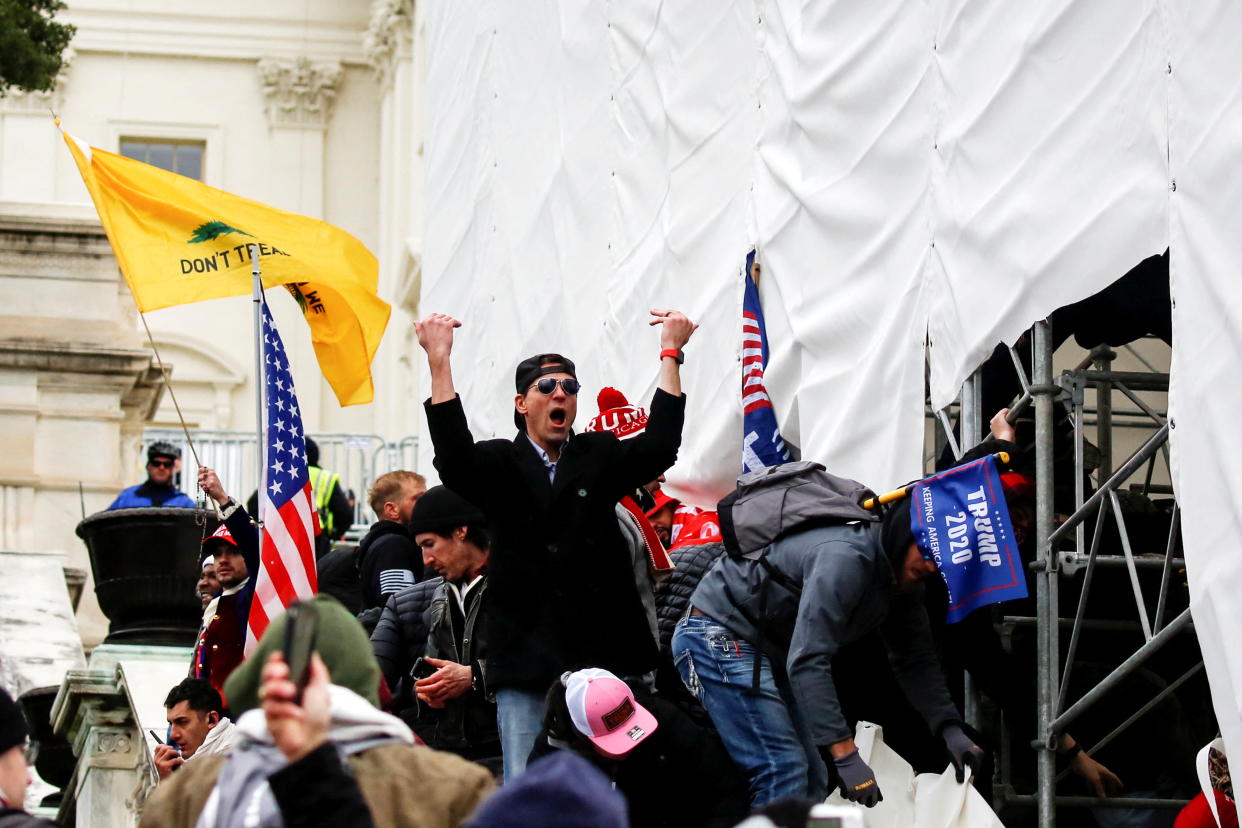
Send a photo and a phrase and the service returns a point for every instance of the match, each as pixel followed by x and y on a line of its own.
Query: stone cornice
pixel 62 358
pixel 67 234
pixel 205 35
pixel 89 697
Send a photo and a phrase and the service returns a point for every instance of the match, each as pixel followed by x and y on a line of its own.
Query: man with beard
pixel 235 547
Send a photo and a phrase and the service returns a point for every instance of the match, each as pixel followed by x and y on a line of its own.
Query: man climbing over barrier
pixel 808 573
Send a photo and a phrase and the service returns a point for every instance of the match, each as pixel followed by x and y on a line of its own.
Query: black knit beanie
pixel 440 510
pixel 13 729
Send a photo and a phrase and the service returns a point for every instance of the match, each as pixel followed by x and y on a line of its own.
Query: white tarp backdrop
pixel 947 171
pixel 1050 179
pixel 1205 260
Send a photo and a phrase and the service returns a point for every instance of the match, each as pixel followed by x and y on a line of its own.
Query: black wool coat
pixel 561 591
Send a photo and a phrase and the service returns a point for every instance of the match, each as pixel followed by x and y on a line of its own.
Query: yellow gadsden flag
pixel 179 241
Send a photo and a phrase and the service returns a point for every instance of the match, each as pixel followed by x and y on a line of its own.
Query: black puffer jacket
pixel 673 594
pixel 400 637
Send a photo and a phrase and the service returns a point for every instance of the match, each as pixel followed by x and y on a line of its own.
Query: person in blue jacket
pixel 163 461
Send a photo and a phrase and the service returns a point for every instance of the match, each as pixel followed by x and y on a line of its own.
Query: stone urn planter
pixel 145 563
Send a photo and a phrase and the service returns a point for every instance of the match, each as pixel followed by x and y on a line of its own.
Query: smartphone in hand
pixel 301 632
pixel 422 669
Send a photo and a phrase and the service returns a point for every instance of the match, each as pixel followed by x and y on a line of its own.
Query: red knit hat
pixel 617 415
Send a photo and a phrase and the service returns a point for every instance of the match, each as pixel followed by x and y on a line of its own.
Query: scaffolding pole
pixel 1047 631
pixel 1063 551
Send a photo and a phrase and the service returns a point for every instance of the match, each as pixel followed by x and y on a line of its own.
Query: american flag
pixel 290 521
pixel 762 445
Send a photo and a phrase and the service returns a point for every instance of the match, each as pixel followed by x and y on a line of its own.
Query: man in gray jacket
pixel 757 646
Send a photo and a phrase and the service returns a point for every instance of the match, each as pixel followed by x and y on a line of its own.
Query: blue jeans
pixel 519 715
pixel 762 729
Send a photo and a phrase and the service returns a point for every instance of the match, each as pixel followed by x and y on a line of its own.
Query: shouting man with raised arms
pixel 558 559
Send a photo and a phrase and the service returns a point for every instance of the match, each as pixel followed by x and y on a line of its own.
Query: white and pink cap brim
pixel 604 710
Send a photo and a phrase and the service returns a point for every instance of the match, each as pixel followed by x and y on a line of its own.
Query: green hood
pixel 341 642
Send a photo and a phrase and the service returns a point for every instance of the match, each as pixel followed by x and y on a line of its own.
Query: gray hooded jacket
pixel 846 591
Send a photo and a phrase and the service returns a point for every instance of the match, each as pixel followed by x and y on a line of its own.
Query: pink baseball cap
pixel 603 709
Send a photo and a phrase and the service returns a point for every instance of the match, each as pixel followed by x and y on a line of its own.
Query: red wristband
pixel 675 353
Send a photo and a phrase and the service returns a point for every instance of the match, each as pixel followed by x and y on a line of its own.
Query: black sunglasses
pixel 547 385
pixel 162 464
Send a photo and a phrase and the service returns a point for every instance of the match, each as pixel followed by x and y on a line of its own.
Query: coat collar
pixel 569 467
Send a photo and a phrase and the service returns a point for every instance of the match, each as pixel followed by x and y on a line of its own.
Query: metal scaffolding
pixel 1065 554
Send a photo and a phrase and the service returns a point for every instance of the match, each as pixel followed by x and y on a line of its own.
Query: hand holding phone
pixel 422 669
pixel 297 726
pixel 167 759
pixel 301 632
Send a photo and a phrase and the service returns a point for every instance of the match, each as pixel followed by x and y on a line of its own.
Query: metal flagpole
pixel 260 378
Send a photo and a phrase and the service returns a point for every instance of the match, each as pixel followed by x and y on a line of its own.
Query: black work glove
pixel 963 749
pixel 857 780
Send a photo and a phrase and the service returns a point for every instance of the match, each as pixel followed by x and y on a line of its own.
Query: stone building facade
pixel 307 105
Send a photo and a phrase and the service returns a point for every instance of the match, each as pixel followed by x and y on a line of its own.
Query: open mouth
pixel 557 416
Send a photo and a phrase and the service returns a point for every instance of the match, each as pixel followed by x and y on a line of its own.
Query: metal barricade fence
pixel 357 458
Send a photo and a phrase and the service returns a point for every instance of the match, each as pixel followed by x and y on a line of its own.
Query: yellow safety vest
pixel 322 482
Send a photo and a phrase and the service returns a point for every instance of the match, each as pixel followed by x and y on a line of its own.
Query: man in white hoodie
pixel 197 726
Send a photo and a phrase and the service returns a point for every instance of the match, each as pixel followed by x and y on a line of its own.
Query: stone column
pixel 393 46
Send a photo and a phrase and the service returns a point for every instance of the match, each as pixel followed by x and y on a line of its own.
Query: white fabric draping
pixel 841 200
pixel 584 168
pixel 1205 258
pixel 1049 168
pixel 949 171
